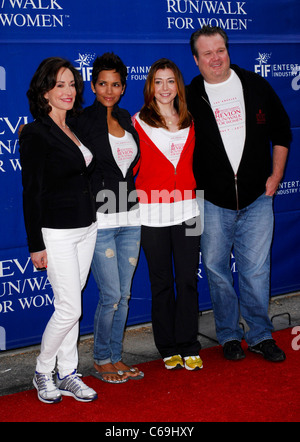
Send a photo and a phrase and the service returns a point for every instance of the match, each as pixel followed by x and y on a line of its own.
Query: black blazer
pixel 56 182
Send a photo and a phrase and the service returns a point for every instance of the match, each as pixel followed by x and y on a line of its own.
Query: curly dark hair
pixel 109 62
pixel 44 80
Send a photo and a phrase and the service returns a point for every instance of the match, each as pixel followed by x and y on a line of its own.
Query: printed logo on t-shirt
pixel 124 154
pixel 260 117
pixel 176 149
pixel 228 115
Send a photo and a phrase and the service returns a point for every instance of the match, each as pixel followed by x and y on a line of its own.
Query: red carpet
pixel 251 390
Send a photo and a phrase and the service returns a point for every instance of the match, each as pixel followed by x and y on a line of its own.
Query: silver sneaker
pixel 72 385
pixel 47 390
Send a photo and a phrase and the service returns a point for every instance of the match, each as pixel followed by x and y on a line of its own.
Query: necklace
pixel 167 119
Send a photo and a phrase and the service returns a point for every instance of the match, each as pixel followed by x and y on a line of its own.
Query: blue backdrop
pixel 264 37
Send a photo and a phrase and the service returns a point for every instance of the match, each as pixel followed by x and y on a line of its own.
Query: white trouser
pixel 69 253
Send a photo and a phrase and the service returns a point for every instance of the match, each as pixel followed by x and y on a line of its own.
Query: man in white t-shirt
pixel 236 115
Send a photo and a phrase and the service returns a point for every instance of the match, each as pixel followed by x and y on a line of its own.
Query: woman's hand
pixel 39 259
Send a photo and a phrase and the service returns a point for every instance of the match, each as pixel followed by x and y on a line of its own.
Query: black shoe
pixel 233 351
pixel 269 350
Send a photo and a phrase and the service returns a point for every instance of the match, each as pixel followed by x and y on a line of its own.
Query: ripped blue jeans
pixel 114 262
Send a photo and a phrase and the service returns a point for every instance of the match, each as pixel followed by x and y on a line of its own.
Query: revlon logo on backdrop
pixel 18 291
pixel 188 14
pixel 9 143
pixel 32 14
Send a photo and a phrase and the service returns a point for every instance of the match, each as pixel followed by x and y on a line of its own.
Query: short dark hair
pixel 109 62
pixel 44 80
pixel 207 31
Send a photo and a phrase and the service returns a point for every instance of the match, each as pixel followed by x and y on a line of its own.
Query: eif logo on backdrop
pixel 85 62
pixel 267 69
pixel 85 67
pixel 263 68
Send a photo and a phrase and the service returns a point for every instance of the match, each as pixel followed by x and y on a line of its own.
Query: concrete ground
pixel 17 366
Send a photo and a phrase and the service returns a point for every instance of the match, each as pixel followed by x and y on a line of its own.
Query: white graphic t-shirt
pixel 170 144
pixel 227 102
pixel 124 150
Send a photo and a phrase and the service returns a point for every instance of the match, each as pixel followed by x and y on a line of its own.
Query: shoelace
pixel 73 382
pixel 45 379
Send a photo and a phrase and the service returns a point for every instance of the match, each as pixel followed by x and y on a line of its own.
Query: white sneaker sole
pixel 69 393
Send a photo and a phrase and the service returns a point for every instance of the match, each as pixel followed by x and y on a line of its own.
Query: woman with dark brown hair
pixel 59 214
pixel 169 214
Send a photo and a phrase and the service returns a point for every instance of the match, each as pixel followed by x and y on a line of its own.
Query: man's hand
pixel 279 160
pixel 272 185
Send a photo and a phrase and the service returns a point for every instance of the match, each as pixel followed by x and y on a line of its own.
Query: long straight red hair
pixel 150 113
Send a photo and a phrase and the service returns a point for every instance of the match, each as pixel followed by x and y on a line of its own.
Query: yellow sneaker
pixel 173 362
pixel 193 363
